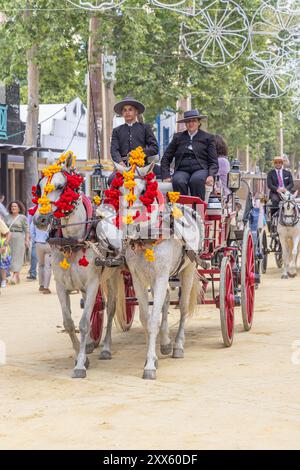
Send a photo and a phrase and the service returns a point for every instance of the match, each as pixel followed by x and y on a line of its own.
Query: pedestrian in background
pixel 19 239
pixel 32 273
pixel 43 251
pixel 5 258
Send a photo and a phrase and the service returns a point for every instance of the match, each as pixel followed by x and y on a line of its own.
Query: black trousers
pixel 192 180
pixel 275 198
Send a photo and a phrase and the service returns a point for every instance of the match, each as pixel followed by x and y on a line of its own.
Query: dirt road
pixel 244 397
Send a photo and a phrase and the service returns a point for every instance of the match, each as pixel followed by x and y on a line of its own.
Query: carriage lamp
pixel 234 176
pixel 99 180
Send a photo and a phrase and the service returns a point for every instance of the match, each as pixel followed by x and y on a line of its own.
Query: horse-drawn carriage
pixel 227 268
pixel 224 268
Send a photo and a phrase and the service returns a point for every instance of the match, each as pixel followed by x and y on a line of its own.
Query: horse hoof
pixel 105 355
pixel 79 374
pixel 86 364
pixel 89 348
pixel 292 275
pixel 284 276
pixel 178 353
pixel 149 375
pixel 166 349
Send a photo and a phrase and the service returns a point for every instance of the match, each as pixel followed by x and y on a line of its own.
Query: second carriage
pixel 226 269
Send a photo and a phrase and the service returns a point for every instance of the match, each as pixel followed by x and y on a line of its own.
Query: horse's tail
pixel 195 295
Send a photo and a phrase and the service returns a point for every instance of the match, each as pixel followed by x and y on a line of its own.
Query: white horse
pixel 170 259
pixel 78 277
pixel 289 233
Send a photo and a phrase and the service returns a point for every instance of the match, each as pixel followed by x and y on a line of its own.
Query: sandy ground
pixel 244 397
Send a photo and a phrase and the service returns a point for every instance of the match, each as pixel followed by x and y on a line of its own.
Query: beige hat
pixel 278 159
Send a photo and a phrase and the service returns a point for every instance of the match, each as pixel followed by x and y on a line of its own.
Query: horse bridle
pixel 294 217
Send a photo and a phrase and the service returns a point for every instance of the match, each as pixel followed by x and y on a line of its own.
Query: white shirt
pixel 191 137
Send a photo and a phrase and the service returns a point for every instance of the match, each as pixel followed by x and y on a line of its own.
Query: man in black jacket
pixel 278 181
pixel 132 134
pixel 196 161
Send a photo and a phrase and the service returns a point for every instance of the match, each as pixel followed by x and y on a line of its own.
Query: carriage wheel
pixel 278 253
pixel 97 318
pixel 264 252
pixel 247 279
pixel 130 309
pixel 226 302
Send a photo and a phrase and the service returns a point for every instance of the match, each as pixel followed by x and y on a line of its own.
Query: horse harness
pixel 294 217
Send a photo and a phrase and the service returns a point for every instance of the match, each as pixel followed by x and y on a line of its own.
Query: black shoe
pixel 31 278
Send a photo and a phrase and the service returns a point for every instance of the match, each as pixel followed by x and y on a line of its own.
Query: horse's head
pixel 137 193
pixel 50 189
pixel 289 208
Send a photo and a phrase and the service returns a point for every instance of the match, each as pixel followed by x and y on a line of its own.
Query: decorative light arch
pixel 96 4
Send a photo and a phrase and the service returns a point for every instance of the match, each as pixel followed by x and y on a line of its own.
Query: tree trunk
pixel 31 133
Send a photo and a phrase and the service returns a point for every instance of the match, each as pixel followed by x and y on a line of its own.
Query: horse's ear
pixel 145 169
pixel 120 168
pixel 68 163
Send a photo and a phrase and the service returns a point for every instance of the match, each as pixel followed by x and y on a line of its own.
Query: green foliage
pixel 150 65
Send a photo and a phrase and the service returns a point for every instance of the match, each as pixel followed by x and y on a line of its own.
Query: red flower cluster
pixel 66 202
pixel 35 198
pixel 83 261
pixel 113 194
pixel 150 194
pixel 74 181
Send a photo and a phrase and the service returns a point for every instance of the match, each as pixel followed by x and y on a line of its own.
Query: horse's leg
pixel 293 269
pixel 165 342
pixel 186 282
pixel 285 256
pixel 111 308
pixel 82 361
pixel 90 343
pixel 64 299
pixel 159 290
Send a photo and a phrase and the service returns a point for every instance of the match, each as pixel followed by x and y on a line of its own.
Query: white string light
pixel 95 5
pixel 216 36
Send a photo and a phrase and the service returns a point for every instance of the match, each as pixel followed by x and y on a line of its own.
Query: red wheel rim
pixel 97 318
pixel 229 301
pixel 250 279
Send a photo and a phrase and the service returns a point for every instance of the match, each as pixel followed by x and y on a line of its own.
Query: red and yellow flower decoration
pixel 126 180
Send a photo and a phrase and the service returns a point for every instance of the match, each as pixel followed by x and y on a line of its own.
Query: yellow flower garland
pixel 44 201
pixel 64 264
pixel 149 255
pixel 173 196
pixel 97 200
pixel 137 158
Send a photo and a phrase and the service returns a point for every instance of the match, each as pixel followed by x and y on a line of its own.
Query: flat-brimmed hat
pixel 192 114
pixel 129 101
pixel 278 159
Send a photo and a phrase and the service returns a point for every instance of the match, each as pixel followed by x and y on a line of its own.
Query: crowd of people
pixel 18 234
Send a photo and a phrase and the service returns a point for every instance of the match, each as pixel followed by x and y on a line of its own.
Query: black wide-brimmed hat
pixel 129 101
pixel 192 114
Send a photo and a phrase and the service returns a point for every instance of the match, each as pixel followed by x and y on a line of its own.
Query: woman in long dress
pixel 19 239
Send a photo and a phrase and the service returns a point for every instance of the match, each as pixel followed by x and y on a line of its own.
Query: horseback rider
pixel 279 181
pixel 196 161
pixel 131 134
